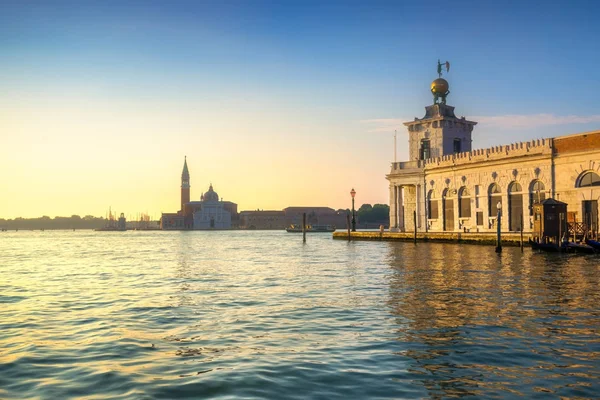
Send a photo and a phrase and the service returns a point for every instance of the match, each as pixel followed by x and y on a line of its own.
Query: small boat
pixel 565 247
pixel 578 248
pixel 593 243
pixel 297 228
pixel 549 247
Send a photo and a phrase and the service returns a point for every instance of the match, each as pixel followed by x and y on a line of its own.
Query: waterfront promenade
pixel 508 239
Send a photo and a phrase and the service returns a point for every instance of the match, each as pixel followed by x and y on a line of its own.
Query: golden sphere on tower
pixel 440 86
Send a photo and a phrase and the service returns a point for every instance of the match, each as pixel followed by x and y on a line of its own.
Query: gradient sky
pixel 275 103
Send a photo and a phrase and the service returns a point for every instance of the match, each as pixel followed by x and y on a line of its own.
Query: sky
pixel 275 103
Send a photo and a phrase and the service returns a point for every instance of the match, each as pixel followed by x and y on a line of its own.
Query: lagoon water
pixel 248 314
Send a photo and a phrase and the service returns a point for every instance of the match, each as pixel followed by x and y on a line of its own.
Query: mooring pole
pixel 348 225
pixel 304 227
pixel 415 226
pixel 499 230
pixel 521 232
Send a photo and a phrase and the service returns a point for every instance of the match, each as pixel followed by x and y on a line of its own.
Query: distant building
pixel 271 219
pixel 208 213
pixel 450 187
pixel 263 220
pixel 213 213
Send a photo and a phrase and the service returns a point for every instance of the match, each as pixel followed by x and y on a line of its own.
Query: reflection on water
pixel 259 314
pixel 476 323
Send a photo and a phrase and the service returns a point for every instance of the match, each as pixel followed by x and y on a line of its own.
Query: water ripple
pixel 146 315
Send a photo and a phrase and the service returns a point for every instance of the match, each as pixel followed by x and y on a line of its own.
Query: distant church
pixel 447 186
pixel 208 213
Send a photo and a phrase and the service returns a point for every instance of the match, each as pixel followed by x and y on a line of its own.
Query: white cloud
pixel 514 121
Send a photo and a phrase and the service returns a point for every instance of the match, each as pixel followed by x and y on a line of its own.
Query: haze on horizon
pixel 275 104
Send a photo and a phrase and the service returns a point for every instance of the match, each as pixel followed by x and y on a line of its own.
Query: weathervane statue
pixel 440 65
pixel 439 87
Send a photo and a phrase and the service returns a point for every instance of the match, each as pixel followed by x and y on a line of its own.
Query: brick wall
pixel 570 144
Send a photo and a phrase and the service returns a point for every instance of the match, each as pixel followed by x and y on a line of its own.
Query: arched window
pixel 589 179
pixel 515 206
pixel 448 210
pixel 432 206
pixel 464 203
pixel 536 194
pixel 494 196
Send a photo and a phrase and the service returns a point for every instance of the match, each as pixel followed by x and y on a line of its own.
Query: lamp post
pixel 353 193
pixel 499 228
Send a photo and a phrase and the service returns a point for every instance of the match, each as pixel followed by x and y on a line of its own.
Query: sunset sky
pixel 275 103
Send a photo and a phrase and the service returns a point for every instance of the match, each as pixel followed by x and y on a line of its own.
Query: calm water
pixel 260 315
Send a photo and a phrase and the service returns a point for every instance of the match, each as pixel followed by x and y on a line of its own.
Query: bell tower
pixel 185 185
pixel 439 132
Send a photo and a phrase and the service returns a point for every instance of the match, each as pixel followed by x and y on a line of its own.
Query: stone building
pixel 263 219
pixel 449 187
pixel 214 213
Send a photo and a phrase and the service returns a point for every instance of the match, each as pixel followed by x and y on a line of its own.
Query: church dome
pixel 211 195
pixel 439 86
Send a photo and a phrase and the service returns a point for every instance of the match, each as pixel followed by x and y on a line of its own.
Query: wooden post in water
pixel 304 227
pixel 348 225
pixel 499 229
pixel 415 225
pixel 521 232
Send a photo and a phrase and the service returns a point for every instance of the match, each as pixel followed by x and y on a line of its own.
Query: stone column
pixel 393 207
pixel 418 205
pixel 400 209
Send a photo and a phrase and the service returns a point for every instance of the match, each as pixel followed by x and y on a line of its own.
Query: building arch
pixel 494 196
pixel 464 203
pixel 432 205
pixel 515 205
pixel 537 193
pixel 448 210
pixel 587 179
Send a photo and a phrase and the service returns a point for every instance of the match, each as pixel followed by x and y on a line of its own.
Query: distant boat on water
pixel 113 224
pixel 297 228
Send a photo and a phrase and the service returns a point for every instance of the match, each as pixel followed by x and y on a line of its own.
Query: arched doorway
pixel 432 206
pixel 494 197
pixel 464 203
pixel 515 206
pixel 448 209
pixel 537 194
pixel 589 212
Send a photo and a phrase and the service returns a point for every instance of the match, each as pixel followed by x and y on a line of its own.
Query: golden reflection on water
pixel 259 314
pixel 457 301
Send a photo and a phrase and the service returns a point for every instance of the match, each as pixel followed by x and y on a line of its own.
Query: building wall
pixel 575 156
pixel 172 221
pixel 215 212
pixel 557 164
pixel 263 220
pixel 445 184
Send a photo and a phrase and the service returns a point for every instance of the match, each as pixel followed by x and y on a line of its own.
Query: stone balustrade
pixel 408 165
pixel 538 146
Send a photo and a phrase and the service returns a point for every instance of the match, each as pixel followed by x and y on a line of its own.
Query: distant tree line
pixel 45 222
pixel 379 214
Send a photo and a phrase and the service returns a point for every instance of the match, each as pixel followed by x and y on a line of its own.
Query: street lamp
pixel 499 227
pixel 353 193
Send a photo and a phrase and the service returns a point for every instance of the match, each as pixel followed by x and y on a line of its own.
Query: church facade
pixel 210 212
pixel 448 187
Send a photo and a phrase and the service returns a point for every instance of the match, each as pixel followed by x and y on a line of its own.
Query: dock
pixel 488 239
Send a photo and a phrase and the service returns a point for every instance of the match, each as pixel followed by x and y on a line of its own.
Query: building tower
pixel 439 132
pixel 185 185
